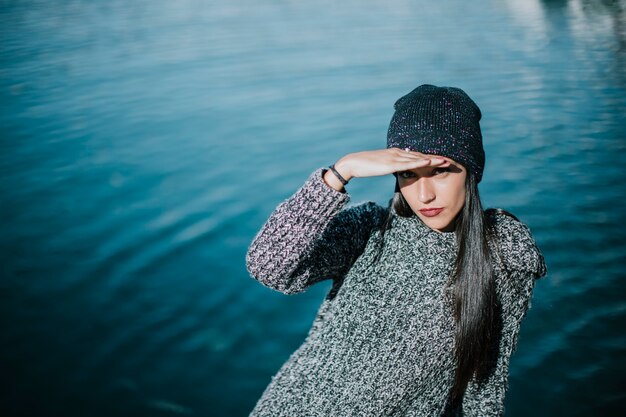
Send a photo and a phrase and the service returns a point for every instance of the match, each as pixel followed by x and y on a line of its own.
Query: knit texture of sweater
pixel 383 338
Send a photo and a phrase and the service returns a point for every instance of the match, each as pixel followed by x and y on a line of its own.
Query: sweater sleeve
pixel 524 265
pixel 310 237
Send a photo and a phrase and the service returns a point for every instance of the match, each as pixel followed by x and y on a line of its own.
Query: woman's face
pixel 435 187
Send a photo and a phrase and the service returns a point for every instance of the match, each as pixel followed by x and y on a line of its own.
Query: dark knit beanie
pixel 439 121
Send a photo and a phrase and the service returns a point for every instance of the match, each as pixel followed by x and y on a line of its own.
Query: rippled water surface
pixel 144 143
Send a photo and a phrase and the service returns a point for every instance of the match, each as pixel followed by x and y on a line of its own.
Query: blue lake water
pixel 144 143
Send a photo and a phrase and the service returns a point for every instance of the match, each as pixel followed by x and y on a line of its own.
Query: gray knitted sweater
pixel 382 341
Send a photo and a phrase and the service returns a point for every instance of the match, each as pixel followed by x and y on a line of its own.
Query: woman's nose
pixel 425 190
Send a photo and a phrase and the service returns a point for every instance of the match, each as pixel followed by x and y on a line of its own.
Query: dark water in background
pixel 144 143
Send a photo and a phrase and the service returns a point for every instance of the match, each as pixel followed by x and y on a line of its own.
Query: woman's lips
pixel 431 212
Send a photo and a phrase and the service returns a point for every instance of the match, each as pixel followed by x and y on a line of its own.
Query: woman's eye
pixel 410 174
pixel 441 170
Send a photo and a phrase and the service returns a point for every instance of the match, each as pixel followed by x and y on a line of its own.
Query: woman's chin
pixel 439 225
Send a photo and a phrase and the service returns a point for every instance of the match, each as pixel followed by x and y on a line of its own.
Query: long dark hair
pixel 476 309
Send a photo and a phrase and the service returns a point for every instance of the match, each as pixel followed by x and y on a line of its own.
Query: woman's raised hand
pixel 383 162
pixel 378 162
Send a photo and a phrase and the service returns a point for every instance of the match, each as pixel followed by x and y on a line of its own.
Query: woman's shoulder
pixel 516 243
pixel 365 211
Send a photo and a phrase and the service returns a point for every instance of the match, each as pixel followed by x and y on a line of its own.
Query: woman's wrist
pixel 341 166
pixel 337 176
pixel 332 181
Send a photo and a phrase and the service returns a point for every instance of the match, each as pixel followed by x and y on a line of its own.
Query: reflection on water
pixel 144 144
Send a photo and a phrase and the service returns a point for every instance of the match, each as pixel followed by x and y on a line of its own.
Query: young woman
pixel 428 294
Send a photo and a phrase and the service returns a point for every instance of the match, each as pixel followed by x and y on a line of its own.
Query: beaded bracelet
pixel 338 175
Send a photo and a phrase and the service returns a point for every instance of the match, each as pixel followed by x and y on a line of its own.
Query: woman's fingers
pixel 418 155
pixel 416 162
pixel 424 161
pixel 407 152
pixel 410 155
pixel 384 161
